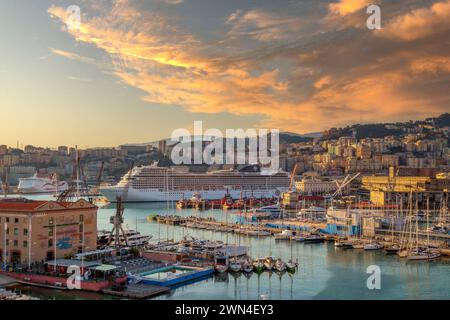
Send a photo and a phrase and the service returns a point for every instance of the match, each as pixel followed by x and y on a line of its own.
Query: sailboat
pixel 291 266
pixel 258 265
pixel 373 246
pixel 247 267
pixel 268 263
pixel 427 254
pixel 280 265
pixel 235 266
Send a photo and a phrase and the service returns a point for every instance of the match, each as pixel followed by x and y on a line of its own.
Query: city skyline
pixel 137 70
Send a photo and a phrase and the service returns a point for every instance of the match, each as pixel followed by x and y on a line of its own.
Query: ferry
pixel 159 184
pixel 37 184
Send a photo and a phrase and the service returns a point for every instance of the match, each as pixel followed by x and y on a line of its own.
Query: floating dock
pixel 171 275
pixel 138 291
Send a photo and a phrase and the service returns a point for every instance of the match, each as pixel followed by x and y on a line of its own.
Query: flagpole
pixel 29 242
pixel 82 252
pixel 54 244
pixel 4 244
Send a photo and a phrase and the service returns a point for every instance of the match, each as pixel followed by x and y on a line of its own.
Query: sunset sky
pixel 137 69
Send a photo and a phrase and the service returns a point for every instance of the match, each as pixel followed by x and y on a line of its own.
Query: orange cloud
pixel 345 7
pixel 419 23
pixel 329 79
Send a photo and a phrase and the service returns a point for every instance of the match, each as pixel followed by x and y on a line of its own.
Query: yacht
pixel 373 246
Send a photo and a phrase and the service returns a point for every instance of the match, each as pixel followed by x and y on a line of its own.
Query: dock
pixel 6 281
pixel 138 291
pixel 212 224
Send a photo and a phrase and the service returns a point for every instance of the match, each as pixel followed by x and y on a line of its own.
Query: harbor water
pixel 324 272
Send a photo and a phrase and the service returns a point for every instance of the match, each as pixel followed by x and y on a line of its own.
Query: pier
pixel 138 291
pixel 214 225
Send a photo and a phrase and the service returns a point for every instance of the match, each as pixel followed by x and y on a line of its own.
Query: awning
pixel 104 268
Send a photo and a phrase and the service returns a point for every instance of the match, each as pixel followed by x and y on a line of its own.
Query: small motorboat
pixel 358 245
pixel 424 255
pixel 298 238
pixel 373 246
pixel 343 244
pixel 314 238
pixel 284 235
pixel 392 249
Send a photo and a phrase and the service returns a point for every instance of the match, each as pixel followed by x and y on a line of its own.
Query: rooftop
pixel 26 205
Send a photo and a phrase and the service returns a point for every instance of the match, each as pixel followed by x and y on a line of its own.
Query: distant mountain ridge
pixel 285 137
pixel 371 130
pixel 381 130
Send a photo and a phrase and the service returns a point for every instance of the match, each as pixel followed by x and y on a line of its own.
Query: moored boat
pixel 268 263
pixel 314 238
pixel 291 266
pixel 373 246
pixel 258 265
pixel 280 265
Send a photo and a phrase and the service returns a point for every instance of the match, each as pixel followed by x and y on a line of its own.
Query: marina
pixel 179 249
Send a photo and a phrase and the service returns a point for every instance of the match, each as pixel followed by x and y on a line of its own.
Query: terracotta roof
pixel 25 206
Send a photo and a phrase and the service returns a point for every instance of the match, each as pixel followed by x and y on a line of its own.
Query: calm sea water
pixel 325 272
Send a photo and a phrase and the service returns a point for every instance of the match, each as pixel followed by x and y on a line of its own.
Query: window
pixel 16 220
pixel 50 243
pixel 51 220
pixel 16 231
pixel 7 219
pixel 50 232
pixel 25 244
pixel 25 232
pixel 7 230
pixel 7 242
pixel 81 217
pixel 16 243
pixel 80 228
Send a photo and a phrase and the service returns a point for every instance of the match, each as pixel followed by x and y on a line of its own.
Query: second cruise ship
pixel 159 184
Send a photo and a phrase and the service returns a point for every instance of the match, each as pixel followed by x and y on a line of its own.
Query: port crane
pixel 100 173
pixel 117 219
pixel 340 186
pixel 293 173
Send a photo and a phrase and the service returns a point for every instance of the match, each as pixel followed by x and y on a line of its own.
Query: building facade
pixel 35 231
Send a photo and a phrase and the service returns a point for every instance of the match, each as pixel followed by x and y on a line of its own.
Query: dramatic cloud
pixel 262 25
pixel 420 23
pixel 345 7
pixel 301 73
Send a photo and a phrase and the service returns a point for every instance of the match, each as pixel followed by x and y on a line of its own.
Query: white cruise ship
pixel 36 184
pixel 159 184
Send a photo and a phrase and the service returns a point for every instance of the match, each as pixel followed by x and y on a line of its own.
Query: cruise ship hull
pixel 41 186
pixel 155 195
